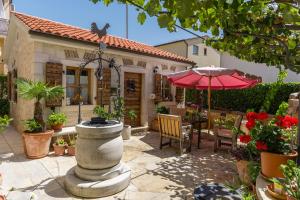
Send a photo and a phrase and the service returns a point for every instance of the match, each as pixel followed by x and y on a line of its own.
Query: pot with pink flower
pixel 273 139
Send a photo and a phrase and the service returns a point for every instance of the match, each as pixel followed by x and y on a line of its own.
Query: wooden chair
pixel 170 126
pixel 177 111
pixel 225 136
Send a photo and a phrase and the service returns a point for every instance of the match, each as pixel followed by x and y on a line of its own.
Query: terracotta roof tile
pixel 66 31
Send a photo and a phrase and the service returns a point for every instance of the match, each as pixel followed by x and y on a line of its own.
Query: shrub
pixel 241 100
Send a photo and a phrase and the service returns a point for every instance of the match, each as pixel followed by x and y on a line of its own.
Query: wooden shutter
pixel 106 87
pixel 54 73
pixel 179 97
pixel 157 87
pixel 9 84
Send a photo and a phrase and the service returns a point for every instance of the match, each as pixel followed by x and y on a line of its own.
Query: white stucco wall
pixel 268 74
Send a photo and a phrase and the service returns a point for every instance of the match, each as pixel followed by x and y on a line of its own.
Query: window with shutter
pixel 104 88
pixel 54 73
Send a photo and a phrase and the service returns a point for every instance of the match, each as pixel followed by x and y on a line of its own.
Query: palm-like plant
pixel 38 90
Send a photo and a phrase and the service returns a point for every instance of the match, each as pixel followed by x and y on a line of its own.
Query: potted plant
pixel 273 139
pixel 71 145
pixel 291 180
pixel 56 121
pixel 59 146
pixel 4 122
pixel 36 137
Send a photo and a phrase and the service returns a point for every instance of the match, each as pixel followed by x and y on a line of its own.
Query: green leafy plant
pixel 132 116
pixel 101 112
pixel 226 122
pixel 72 140
pixel 38 90
pixel 291 180
pixel 254 170
pixel 283 108
pixel 55 119
pixel 162 110
pixel 32 126
pixel 119 108
pixel 60 141
pixel 4 122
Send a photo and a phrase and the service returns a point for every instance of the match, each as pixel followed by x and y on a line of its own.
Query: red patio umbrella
pixel 213 78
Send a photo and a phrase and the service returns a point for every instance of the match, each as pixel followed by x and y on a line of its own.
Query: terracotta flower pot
pixel 57 128
pixel 59 150
pixel 2 197
pixel 36 145
pixel 290 198
pixel 242 167
pixel 270 163
pixel 71 150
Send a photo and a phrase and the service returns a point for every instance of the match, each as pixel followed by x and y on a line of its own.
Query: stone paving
pixel 156 174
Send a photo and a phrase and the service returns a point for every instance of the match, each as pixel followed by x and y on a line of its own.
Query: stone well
pixel 99 172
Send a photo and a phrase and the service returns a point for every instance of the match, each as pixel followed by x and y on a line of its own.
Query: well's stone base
pixel 102 188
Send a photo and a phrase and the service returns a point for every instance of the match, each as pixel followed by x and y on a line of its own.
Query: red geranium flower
pixel 250 124
pixel 261 146
pixel 245 139
pixel 251 116
pixel 286 121
pixel 262 116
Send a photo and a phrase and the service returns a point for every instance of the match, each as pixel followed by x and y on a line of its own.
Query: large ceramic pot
pixel 36 145
pixel 243 171
pixel 270 163
pixel 99 147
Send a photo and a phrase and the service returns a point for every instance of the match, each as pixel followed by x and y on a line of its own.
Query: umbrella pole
pixel 208 102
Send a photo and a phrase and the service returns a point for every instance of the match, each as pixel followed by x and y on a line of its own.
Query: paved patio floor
pixel 156 174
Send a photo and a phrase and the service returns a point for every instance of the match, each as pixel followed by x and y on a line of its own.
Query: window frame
pixel 75 85
pixel 166 89
pixel 195 48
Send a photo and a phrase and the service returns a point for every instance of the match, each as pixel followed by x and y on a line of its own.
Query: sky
pixel 82 13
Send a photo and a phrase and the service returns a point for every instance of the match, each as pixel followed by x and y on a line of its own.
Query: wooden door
pixel 132 96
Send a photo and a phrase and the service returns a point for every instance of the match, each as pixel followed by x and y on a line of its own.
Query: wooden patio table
pixel 196 123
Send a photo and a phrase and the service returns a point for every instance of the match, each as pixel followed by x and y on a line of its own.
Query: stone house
pixel 195 49
pixel 43 50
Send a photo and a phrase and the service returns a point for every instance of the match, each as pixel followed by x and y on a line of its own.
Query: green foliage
pixel 254 170
pixel 60 141
pixel 242 100
pixel 225 122
pixel 291 181
pixel 119 108
pixel 4 103
pixel 282 109
pixel 261 31
pixel 4 122
pixel 132 116
pixel 32 126
pixel 38 90
pixel 162 110
pixel 56 119
pixel 72 140
pixel 101 112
